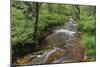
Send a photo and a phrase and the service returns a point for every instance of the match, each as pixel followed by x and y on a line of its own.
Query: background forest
pixel 23 25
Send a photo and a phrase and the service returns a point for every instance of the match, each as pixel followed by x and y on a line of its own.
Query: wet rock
pixel 40 59
pixel 70 43
pixel 60 37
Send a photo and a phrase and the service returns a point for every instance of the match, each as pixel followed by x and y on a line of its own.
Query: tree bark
pixel 78 11
pixel 36 24
pixel 49 8
pixel 59 7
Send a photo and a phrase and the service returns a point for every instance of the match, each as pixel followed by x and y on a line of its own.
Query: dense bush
pixel 49 20
pixel 90 43
pixel 87 24
pixel 21 28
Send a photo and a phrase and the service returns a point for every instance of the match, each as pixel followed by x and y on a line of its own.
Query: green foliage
pixel 87 24
pixel 48 20
pixel 90 43
pixel 21 28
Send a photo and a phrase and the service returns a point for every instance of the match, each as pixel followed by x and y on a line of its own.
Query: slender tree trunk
pixel 36 23
pixel 94 13
pixel 92 10
pixel 78 11
pixel 49 8
pixel 59 7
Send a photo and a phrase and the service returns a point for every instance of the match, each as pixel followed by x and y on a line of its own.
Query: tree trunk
pixel 78 11
pixel 59 7
pixel 49 8
pixel 36 23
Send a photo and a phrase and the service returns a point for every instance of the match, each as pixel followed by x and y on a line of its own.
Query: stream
pixel 64 47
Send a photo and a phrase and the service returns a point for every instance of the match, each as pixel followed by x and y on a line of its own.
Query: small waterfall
pixel 64 39
pixel 64 35
pixel 71 25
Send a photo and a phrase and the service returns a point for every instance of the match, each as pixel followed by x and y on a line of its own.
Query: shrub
pixel 90 43
pixel 48 20
pixel 21 28
pixel 87 24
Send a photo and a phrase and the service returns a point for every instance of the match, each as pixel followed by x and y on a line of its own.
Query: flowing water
pixel 65 45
